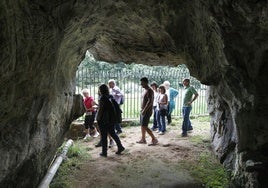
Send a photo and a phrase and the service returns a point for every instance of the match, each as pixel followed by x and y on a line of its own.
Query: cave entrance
pixel 162 164
pixel 91 73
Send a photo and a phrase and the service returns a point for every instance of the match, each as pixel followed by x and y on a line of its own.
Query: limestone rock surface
pixel 224 44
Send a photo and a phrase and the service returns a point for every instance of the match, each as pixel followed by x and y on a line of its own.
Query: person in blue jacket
pixel 172 94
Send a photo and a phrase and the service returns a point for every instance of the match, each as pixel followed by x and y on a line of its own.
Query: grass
pixel 204 166
pixel 76 154
pixel 208 171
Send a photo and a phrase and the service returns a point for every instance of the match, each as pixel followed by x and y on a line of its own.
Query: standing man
pixel 118 95
pixel 172 94
pixel 146 112
pixel 188 99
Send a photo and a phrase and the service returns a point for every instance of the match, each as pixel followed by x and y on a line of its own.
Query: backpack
pixel 117 118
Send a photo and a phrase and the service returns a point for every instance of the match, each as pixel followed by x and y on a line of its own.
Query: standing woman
pixel 162 109
pixel 89 104
pixel 155 89
pixel 106 121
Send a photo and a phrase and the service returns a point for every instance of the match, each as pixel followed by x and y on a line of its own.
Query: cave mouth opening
pixel 91 73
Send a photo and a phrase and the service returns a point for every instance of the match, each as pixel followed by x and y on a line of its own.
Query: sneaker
pixel 111 143
pixel 190 130
pixel 96 134
pixel 120 150
pixel 183 135
pixel 161 133
pixel 87 136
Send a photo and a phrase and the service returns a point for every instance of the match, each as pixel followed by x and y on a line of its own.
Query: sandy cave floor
pixel 141 165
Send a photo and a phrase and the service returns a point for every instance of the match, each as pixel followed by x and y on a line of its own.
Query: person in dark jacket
pixel 106 120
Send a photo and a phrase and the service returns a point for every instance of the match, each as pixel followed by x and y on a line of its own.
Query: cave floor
pixel 166 164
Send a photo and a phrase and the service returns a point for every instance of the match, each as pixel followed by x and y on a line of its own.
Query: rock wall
pixel 223 43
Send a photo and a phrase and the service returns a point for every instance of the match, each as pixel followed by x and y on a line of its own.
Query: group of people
pixel 156 101
pixel 164 104
pixel 104 113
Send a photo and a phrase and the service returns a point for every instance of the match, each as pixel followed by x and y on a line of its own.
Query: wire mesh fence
pixel 129 83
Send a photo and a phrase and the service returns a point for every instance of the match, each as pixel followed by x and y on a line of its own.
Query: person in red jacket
pixel 90 106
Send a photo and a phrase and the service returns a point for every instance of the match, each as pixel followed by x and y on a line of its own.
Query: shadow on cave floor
pixel 174 162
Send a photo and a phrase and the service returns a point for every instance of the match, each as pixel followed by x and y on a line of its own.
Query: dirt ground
pixel 141 165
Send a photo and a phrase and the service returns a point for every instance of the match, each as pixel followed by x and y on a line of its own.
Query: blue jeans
pixel 155 126
pixel 186 124
pixel 161 121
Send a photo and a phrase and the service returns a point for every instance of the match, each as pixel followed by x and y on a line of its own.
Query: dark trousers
pixel 104 130
pixel 169 118
pixel 118 127
pixel 89 121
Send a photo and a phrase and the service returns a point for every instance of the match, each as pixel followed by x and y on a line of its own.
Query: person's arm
pixel 176 92
pixel 165 102
pixel 100 110
pixel 93 104
pixel 195 96
pixel 117 91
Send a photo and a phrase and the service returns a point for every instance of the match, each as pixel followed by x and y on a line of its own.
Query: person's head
pixel 144 82
pixel 103 89
pixel 111 83
pixel 166 84
pixel 85 92
pixel 154 86
pixel 186 82
pixel 162 89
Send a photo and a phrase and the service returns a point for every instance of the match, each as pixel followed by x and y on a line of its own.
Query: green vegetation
pixel 209 171
pixel 204 118
pixel 76 154
pixel 206 168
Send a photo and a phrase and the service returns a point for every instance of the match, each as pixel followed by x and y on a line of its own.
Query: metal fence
pixel 129 82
